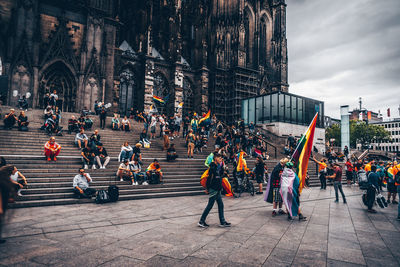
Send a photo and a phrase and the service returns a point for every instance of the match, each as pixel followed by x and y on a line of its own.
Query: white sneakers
pixel 93 167
pixel 121 180
pixel 135 183
pixel 86 167
pixel 102 167
pixel 19 193
pixel 145 183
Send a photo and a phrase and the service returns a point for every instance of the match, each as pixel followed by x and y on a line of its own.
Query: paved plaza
pixel 164 232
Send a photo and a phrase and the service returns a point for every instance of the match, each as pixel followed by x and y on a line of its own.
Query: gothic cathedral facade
pixel 206 54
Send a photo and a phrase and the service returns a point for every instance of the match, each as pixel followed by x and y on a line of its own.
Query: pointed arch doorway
pixel 59 77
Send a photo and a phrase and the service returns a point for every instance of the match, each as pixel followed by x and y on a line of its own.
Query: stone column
pixel 148 84
pixel 204 89
pixel 178 86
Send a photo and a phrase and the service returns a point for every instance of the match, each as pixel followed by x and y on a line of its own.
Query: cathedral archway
pixel 128 93
pixel 59 77
pixel 188 96
pixel 162 89
pixel 249 26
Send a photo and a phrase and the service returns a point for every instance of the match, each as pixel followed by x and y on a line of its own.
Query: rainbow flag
pixel 206 119
pixel 303 151
pixel 158 100
pixel 289 191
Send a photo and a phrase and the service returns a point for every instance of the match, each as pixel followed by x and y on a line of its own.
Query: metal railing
pixel 261 138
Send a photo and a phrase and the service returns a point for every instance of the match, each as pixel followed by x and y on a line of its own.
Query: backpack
pixel 362 179
pixel 154 178
pixel 113 193
pixel 102 197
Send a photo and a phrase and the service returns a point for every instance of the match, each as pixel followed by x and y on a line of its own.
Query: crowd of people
pixel 233 144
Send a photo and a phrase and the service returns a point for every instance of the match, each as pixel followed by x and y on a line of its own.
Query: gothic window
pixel 228 49
pixel 263 42
pixel 128 91
pixel 161 88
pixel 249 36
pixel 188 97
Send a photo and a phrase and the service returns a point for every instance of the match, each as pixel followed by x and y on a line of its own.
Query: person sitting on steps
pixel 23 121
pixel 52 149
pixel 126 152
pixel 124 172
pixel 81 185
pixel 115 124
pixel 125 124
pixel 154 169
pixel 81 139
pixel 94 139
pixel 88 156
pixel 101 154
pixel 81 121
pixel 73 125
pixel 16 178
pixel 10 119
pixel 88 123
pixel 171 153
pixel 136 167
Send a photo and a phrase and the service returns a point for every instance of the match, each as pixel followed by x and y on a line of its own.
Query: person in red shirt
pixel 337 181
pixel 52 149
pixel 349 172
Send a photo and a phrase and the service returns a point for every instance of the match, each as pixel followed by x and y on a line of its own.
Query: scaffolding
pixel 231 86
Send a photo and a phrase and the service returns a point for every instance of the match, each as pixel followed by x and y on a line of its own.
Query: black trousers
pixel 87 193
pixel 210 204
pixel 370 197
pixel 102 122
pixel 322 178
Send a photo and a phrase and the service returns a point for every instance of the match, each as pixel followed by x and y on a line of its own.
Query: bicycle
pixel 244 184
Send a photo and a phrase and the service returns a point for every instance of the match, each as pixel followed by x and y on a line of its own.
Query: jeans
pixel 398 209
pixel 211 201
pixel 136 175
pixel 126 155
pixel 338 186
pixel 322 179
pixel 88 162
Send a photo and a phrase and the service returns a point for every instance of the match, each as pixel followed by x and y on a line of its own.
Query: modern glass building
pixel 282 107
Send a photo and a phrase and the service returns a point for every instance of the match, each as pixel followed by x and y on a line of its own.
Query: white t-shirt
pixel 125 122
pixel 153 121
pixel 15 176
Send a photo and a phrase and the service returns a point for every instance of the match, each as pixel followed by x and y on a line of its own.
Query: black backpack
pixel 113 193
pixel 154 178
pixel 102 197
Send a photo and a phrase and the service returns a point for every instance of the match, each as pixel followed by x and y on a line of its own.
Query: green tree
pixel 360 133
pixel 333 133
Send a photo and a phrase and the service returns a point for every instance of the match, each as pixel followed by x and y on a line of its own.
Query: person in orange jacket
pixel 52 149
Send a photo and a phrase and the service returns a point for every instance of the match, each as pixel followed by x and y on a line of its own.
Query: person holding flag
pixel 289 190
pixel 214 188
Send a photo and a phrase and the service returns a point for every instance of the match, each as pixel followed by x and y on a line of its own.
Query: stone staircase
pixel 51 183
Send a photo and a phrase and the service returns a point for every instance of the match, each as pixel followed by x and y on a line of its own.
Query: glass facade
pixel 282 107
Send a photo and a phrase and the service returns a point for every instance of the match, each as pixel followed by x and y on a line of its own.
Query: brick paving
pixel 164 232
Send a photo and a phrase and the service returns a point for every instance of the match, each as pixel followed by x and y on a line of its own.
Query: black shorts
pixel 391 187
pixel 260 178
pixel 349 175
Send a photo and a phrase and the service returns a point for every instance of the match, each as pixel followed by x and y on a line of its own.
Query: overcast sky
pixel 340 50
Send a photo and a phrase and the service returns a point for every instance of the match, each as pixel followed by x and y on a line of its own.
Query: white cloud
pixel 341 50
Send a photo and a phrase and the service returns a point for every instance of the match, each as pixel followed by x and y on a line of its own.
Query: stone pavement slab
pixel 164 232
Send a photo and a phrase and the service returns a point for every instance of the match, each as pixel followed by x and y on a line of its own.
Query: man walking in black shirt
pixel 214 187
